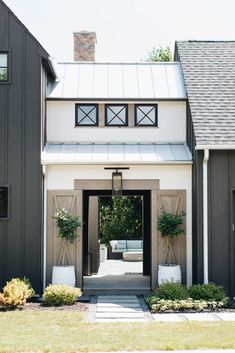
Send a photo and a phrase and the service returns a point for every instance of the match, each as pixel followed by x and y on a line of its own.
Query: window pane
pixel 3 202
pixel 146 115
pixel 3 74
pixel 116 115
pixel 86 115
pixel 3 60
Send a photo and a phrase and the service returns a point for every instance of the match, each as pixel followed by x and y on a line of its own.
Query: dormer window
pixel 4 74
pixel 116 114
pixel 146 115
pixel 86 115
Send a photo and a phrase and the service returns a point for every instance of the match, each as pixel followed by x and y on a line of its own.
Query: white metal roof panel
pixel 119 80
pixel 116 154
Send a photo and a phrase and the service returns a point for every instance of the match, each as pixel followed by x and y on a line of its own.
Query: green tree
pixel 121 218
pixel 160 54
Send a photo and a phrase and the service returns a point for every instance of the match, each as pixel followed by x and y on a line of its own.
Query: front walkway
pixel 121 308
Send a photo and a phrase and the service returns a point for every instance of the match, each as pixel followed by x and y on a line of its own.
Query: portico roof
pixel 116 154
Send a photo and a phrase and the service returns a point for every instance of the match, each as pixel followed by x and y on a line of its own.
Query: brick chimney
pixel 84 46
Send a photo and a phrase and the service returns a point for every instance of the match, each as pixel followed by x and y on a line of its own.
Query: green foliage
pixel 3 76
pixel 169 224
pixel 186 304
pixel 15 293
pixel 209 291
pixel 160 54
pixel 59 294
pixel 121 218
pixel 67 225
pixel 170 291
pixel 172 296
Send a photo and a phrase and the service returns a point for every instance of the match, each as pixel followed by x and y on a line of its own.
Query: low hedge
pixel 59 294
pixel 176 297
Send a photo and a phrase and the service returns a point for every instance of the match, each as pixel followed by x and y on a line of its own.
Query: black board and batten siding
pixel 20 146
pixel 221 214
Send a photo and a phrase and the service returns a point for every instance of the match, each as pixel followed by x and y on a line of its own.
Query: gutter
pixel 205 215
pixel 215 147
pixel 44 171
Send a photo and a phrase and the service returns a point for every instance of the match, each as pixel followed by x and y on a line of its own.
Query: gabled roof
pixel 84 80
pixel 44 54
pixel 209 72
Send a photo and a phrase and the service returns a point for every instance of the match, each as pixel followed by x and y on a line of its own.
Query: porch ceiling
pixel 116 154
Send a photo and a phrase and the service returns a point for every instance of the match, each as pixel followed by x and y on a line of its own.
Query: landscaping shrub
pixel 209 291
pixel 15 293
pixel 59 294
pixel 175 297
pixel 169 291
pixel 187 304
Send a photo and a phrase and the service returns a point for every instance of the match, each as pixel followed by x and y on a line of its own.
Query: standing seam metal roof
pixel 209 73
pixel 119 80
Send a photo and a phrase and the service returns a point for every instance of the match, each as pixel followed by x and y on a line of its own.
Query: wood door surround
pixel 171 200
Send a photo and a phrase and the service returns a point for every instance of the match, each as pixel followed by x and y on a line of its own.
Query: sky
pixel 126 29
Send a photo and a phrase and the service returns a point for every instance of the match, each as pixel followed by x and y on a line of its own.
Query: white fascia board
pixel 215 147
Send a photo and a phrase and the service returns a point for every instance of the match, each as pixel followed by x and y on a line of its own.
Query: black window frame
pixel 116 105
pixel 156 115
pixel 77 105
pixel 8 202
pixel 7 52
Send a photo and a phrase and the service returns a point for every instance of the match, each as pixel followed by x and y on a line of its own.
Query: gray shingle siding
pixel 209 73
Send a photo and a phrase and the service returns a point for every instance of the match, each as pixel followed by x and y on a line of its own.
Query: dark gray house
pixel 209 74
pixel 25 70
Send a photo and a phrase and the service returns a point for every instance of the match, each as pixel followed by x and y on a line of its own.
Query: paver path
pixel 120 308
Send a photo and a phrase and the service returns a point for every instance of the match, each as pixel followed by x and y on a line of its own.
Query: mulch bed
pixel 79 307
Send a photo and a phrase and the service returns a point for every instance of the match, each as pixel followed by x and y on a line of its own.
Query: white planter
pixel 103 252
pixel 169 273
pixel 64 275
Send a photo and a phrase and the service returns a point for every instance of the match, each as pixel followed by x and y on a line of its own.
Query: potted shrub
pixel 170 226
pixel 67 225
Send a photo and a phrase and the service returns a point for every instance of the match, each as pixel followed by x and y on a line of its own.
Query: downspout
pixel 44 171
pixel 205 215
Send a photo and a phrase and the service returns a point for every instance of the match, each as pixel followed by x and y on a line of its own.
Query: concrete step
pixel 121 320
pixel 112 291
pixel 118 310
pixel 118 305
pixel 118 301
pixel 120 315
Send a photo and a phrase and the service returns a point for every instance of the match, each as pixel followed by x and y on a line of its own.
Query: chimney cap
pixel 85 32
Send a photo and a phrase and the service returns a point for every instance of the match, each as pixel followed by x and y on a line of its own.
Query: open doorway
pixel 116 241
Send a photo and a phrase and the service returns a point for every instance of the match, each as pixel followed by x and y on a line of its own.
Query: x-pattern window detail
pixel 86 114
pixel 146 115
pixel 116 115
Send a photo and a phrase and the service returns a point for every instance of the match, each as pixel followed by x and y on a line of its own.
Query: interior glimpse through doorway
pixel 116 242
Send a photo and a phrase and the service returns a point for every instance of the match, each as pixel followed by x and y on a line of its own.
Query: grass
pixel 64 331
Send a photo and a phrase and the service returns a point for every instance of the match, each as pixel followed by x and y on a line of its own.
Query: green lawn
pixel 64 331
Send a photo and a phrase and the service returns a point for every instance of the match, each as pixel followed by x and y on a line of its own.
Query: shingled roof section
pixel 209 73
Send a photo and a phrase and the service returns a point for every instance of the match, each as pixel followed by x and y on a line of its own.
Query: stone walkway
pixel 177 317
pixel 121 308
pixel 132 308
